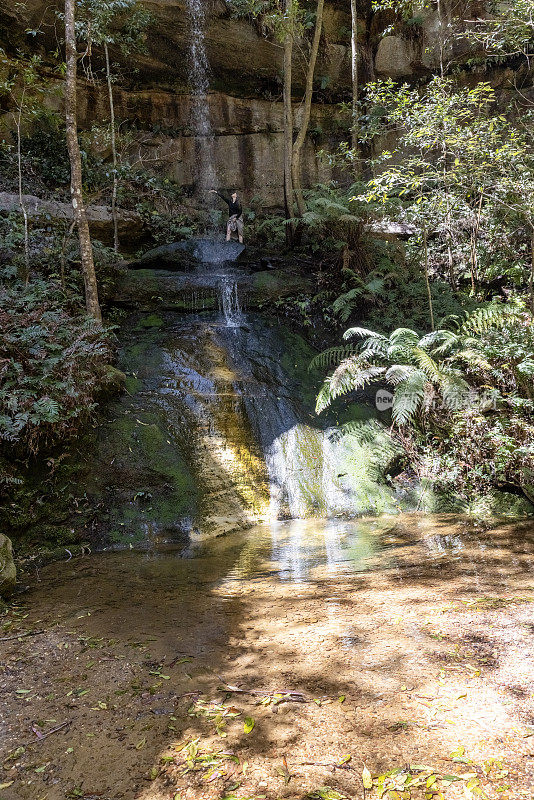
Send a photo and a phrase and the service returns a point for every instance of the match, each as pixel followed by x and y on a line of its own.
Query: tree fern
pixel 408 397
pixel 332 357
pixel 349 376
pixel 419 370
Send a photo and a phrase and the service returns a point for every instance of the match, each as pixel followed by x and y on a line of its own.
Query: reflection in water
pixel 303 550
pixel 300 552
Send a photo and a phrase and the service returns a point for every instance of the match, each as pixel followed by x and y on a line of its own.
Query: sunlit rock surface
pixel 8 573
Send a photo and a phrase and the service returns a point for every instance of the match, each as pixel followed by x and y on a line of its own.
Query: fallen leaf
pixel 367 779
pixel 248 724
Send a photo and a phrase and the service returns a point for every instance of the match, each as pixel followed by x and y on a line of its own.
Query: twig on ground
pixel 264 692
pixel 41 736
pixel 331 765
pixel 20 635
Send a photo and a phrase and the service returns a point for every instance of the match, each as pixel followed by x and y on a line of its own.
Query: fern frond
pixel 473 358
pixel 374 348
pixel 332 357
pixel 399 373
pixel 408 397
pixel 400 352
pixel 349 219
pixel 365 431
pixel 440 341
pixel 455 391
pixel 344 304
pixel 486 317
pixel 427 364
pixel 351 374
pixel 363 333
pixel 404 335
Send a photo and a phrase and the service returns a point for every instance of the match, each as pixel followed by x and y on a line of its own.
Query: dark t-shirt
pixel 233 208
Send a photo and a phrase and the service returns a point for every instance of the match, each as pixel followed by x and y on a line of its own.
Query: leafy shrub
pixel 51 366
pixel 463 396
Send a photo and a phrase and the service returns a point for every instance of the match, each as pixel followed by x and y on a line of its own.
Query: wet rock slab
pixel 189 253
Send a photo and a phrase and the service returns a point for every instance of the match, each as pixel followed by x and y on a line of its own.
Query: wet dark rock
pixel 173 256
pixel 185 255
pixel 113 380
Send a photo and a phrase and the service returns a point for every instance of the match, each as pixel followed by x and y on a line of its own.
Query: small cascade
pixel 237 398
pixel 199 83
pixel 308 473
pixel 229 304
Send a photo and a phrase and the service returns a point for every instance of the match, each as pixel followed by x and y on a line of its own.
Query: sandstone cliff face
pixel 245 101
pixel 247 146
pixel 245 104
pixel 242 60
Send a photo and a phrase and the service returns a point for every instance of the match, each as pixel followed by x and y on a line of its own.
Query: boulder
pixel 393 57
pixel 8 573
pixel 131 226
pixel 176 257
pixel 182 256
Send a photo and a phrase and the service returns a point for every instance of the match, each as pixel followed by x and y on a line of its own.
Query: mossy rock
pixel 8 572
pixel 113 380
pixel 152 321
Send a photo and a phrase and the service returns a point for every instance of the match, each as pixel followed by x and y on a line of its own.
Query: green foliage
pixel 462 174
pixel 113 22
pixel 508 30
pixel 50 364
pixel 463 395
pixel 333 216
pixel 420 370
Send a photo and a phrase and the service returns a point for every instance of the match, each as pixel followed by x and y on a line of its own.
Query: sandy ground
pixel 152 678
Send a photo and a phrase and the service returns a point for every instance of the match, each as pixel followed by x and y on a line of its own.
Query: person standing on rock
pixel 235 215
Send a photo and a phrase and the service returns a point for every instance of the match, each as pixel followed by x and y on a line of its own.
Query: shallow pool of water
pixel 402 637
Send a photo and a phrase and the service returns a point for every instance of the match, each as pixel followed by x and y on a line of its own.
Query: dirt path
pixel 130 691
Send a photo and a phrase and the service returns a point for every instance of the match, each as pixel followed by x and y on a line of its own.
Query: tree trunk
pixel 355 80
pixel 288 121
pixel 114 153
pixel 18 123
pixel 306 110
pixel 427 278
pixel 86 250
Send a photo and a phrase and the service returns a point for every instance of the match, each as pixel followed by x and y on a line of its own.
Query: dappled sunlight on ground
pixel 277 666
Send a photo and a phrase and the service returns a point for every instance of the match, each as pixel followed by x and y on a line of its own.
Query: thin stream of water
pixel 200 110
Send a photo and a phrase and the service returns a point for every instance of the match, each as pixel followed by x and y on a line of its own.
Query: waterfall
pixel 237 398
pixel 199 83
pixel 229 303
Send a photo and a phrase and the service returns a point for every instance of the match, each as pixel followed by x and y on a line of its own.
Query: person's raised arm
pixel 226 199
